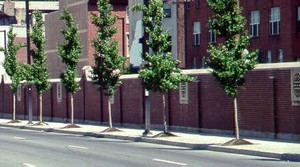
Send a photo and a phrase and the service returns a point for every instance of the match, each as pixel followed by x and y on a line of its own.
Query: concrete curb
pixel 211 147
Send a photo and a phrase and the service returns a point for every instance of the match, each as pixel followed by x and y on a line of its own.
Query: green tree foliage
pixel 70 52
pixel 13 68
pixel 230 60
pixel 160 73
pixel 108 62
pixel 39 70
pixel 11 65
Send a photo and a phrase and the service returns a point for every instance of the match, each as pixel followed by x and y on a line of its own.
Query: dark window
pixel 187 4
pixel 255 23
pixel 298 19
pixel 197 3
pixel 212 37
pixel 275 21
pixel 167 9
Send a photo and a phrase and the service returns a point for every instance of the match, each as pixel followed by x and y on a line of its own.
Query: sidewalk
pixel 261 147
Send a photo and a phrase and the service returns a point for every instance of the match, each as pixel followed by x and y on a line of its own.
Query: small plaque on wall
pixel 183 93
pixel 295 86
pixel 59 92
pixel 19 93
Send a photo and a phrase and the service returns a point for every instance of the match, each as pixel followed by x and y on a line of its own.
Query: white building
pixel 137 30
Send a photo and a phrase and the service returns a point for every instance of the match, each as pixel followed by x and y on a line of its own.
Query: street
pixel 20 147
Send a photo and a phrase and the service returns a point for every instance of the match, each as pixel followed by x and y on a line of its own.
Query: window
pixel 128 44
pixel 203 60
pixel 197 3
pixel 167 9
pixel 261 57
pixel 127 15
pixel 269 56
pixel 212 37
pixel 187 4
pixel 275 21
pixel 280 55
pixel 298 19
pixel 255 23
pixel 196 33
pixel 194 62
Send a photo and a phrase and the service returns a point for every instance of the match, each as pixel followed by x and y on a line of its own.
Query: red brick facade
pixel 81 10
pixel 288 40
pixel 264 104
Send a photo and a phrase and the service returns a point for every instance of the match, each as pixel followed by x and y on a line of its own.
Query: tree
pixel 230 60
pixel 39 70
pixel 108 62
pixel 12 67
pixel 160 73
pixel 70 52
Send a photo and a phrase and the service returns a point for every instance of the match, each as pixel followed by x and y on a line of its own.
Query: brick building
pixel 81 10
pixel 12 14
pixel 273 24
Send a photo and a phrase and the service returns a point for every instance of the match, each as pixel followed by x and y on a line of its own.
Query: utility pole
pixel 146 95
pixel 29 62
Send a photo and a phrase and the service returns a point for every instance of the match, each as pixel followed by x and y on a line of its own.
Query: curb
pixel 210 147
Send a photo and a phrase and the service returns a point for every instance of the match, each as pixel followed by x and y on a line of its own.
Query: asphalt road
pixel 20 147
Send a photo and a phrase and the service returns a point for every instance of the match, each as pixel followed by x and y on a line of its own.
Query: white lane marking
pixel 79 147
pixel 19 138
pixel 28 165
pixel 170 162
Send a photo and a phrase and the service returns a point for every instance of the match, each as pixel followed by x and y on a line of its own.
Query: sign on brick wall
pixel 183 93
pixel 295 86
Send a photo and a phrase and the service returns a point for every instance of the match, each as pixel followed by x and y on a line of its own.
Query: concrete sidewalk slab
pixel 284 150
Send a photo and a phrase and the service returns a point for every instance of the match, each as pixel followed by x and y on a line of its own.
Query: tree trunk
pixel 14 106
pixel 72 109
pixel 41 107
pixel 236 119
pixel 109 113
pixel 164 114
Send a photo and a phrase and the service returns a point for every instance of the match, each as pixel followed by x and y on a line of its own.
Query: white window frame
pixel 212 37
pixel 280 55
pixel 298 13
pixel 196 33
pixel 275 21
pixel 128 44
pixel 203 59
pixel 127 14
pixel 255 23
pixel 269 56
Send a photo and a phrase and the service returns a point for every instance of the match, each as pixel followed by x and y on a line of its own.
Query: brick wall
pixel 287 40
pixel 265 107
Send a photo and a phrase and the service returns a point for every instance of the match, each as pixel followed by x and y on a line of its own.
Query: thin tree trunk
pixel 72 109
pixel 109 113
pixel 14 106
pixel 236 119
pixel 164 114
pixel 41 107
